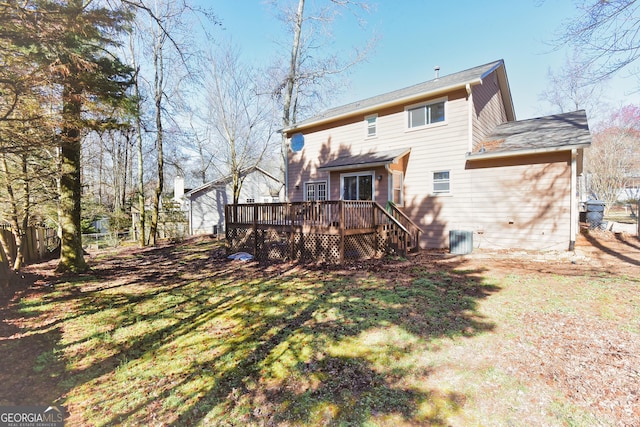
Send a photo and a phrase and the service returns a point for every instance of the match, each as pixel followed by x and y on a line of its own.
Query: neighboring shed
pixel 205 204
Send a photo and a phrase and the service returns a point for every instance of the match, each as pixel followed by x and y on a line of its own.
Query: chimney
pixel 178 188
pixel 437 71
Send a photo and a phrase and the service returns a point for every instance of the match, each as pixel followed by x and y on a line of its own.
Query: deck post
pixel 255 230
pixel 227 234
pixel 342 228
pixel 292 239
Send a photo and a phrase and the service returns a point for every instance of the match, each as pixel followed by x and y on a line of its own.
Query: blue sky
pixel 416 35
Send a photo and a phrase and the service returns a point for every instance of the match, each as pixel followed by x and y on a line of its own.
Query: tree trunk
pixel 20 258
pixel 141 221
pixel 289 100
pixel 16 228
pixel 4 268
pixel 140 153
pixel 158 93
pixel 287 113
pixel 71 253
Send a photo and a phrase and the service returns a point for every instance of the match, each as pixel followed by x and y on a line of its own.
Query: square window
pixel 357 186
pixel 417 117
pixel 436 112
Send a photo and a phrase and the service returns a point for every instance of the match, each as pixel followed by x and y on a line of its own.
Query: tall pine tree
pixel 71 42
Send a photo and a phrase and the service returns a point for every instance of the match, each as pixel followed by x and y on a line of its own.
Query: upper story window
pixel 425 114
pixel 372 125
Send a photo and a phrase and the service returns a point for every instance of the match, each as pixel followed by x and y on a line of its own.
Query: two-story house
pixel 450 154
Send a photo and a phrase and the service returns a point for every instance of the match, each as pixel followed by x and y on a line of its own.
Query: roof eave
pixel 519 153
pixel 377 164
pixel 354 166
pixel 214 184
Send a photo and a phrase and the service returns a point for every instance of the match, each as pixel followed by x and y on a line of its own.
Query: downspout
pixel 469 173
pixel 573 231
pixel 190 217
pixel 286 173
pixel 286 167
pixel 285 157
pixel 470 113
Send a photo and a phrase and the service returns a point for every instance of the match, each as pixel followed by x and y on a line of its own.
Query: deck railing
pixel 349 214
pixel 342 227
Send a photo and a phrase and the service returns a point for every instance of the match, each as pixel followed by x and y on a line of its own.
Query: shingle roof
pixel 549 133
pixel 421 89
pixel 372 159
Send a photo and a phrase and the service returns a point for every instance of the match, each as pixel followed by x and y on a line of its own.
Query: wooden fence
pixel 330 231
pixel 39 241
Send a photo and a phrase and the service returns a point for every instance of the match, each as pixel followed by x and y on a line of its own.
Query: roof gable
pixel 221 182
pixel 432 87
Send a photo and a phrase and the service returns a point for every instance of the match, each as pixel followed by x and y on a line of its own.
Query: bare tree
pixel 308 75
pixel 241 114
pixel 139 153
pixel 605 35
pixel 161 34
pixel 613 158
pixel 200 143
pixel 308 70
pixel 570 88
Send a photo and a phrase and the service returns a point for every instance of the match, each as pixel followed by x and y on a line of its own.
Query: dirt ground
pixel 589 371
pixel 596 365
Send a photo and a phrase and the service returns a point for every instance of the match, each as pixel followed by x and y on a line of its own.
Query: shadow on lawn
pixel 244 343
pixel 622 257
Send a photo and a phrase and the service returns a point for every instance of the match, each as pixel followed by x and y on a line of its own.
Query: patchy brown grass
pixel 178 335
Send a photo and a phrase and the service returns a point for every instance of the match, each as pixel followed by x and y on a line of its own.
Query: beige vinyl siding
pixel 488 109
pixel 440 149
pixel 433 146
pixel 521 202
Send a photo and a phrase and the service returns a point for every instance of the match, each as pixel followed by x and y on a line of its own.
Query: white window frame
pixel 393 189
pixel 363 173
pixel 316 192
pixel 371 124
pixel 409 108
pixel 434 181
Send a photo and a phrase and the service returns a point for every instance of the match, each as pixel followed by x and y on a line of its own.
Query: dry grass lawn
pixel 178 335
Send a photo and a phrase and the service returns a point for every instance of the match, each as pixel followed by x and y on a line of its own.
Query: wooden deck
pixel 330 231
